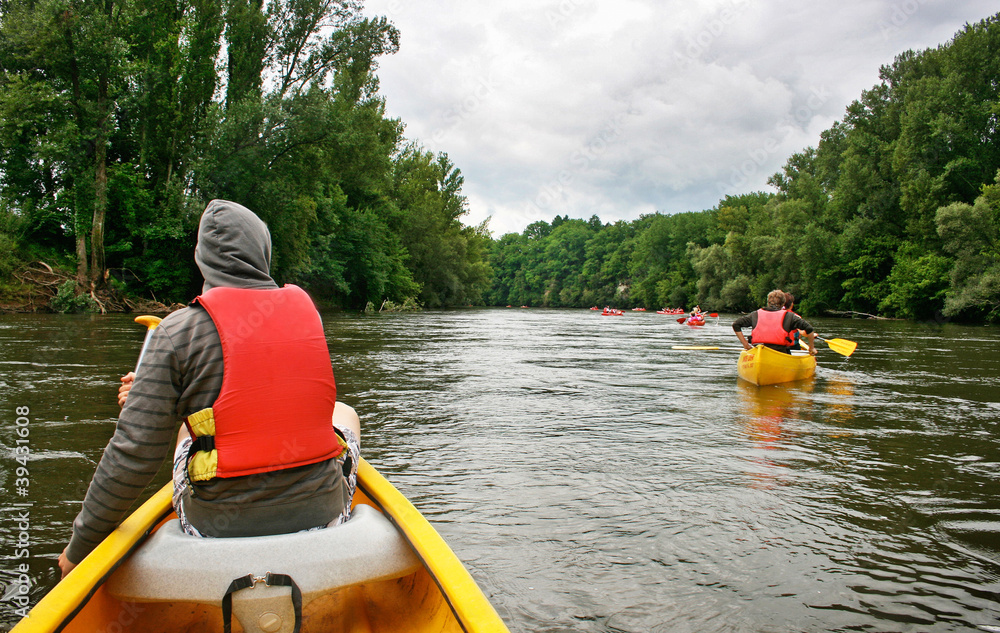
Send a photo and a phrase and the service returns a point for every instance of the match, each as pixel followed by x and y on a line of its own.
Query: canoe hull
pixel 439 596
pixel 764 366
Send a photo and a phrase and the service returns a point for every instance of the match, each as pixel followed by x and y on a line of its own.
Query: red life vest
pixel 275 408
pixel 769 328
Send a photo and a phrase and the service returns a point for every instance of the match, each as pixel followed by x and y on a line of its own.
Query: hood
pixel 234 247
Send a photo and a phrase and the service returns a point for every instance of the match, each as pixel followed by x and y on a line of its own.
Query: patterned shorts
pixel 181 481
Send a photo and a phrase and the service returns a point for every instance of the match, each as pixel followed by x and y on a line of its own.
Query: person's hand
pixel 127 381
pixel 812 350
pixel 65 565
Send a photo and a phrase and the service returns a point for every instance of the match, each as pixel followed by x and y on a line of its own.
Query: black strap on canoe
pixel 269 579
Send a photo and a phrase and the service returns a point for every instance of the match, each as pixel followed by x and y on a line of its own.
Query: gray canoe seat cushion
pixel 175 567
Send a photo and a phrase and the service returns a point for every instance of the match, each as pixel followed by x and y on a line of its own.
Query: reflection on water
pixel 594 479
pixel 766 415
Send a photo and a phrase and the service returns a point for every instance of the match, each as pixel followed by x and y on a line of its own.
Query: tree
pixel 971 234
pixel 70 58
pixel 445 258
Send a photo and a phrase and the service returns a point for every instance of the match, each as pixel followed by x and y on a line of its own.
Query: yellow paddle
pixel 839 345
pixel 150 322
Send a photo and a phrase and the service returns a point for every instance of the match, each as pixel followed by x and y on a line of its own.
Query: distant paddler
pixel 773 326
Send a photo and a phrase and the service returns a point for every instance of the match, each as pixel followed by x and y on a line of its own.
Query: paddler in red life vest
pixel 790 306
pixel 263 447
pixel 773 326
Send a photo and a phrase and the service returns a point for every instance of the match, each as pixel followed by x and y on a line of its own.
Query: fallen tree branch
pixel 855 314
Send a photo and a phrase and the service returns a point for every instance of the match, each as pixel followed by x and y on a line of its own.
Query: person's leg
pixel 180 476
pixel 346 421
pixel 345 417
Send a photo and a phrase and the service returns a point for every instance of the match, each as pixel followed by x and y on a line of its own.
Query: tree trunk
pixel 81 259
pixel 100 188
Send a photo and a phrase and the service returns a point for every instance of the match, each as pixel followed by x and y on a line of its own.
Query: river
pixel 593 479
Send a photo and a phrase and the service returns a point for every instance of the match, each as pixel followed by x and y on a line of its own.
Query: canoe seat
pixel 175 567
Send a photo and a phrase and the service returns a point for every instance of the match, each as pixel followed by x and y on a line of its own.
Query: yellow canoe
pixel 765 366
pixel 385 570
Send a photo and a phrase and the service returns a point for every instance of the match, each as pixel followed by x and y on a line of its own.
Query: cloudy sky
pixel 619 108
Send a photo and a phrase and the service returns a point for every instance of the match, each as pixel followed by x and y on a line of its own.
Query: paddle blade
pixel 682 319
pixel 149 321
pixel 713 314
pixel 842 346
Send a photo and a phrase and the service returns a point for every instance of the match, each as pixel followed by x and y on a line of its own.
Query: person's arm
pixel 798 323
pixel 744 321
pixel 743 340
pixel 142 439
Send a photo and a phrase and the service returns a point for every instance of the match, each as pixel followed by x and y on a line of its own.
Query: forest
pixel 895 213
pixel 120 120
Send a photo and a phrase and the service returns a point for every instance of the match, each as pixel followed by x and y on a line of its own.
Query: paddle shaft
pixel 151 323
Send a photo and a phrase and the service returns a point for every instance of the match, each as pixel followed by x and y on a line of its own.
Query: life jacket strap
pixel 269 579
pixel 202 443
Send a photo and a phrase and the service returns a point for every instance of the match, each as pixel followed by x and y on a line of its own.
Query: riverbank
pixel 37 287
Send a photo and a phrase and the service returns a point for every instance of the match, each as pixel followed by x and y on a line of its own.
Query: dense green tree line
pixel 120 119
pixel 895 212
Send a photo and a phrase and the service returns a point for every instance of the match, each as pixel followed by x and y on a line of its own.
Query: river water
pixel 593 479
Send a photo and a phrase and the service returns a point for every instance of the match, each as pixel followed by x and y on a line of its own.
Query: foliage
pixel 119 121
pixel 67 301
pixel 893 212
pixel 971 234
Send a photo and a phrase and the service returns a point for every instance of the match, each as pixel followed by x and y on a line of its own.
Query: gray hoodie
pixel 234 248
pixel 180 374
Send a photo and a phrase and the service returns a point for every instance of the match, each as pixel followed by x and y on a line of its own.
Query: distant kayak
pixel 694 322
pixel 613 313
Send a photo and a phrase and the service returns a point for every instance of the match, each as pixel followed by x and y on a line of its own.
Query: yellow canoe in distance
pixel 388 572
pixel 765 366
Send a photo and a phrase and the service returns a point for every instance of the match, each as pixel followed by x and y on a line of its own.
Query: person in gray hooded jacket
pixel 181 373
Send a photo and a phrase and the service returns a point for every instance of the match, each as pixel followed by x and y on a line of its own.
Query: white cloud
pixel 578 107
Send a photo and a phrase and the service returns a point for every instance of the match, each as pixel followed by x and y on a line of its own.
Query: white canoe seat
pixel 175 567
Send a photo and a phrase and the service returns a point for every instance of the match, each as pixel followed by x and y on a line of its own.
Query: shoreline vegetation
pixel 118 123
